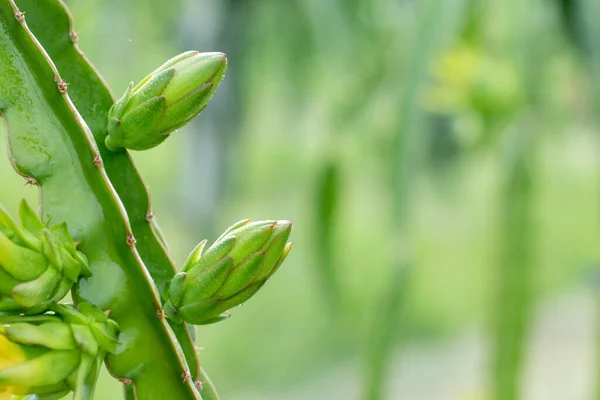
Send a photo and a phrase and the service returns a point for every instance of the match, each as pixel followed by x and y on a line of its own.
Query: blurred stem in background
pixel 580 24
pixel 517 272
pixel 389 316
pixel 364 30
pixel 299 63
pixel 569 12
pixel 404 153
pixel 327 204
pixel 586 37
pixel 580 21
pixel 514 302
pixel 501 83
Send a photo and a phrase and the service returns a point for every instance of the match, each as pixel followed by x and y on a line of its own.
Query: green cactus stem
pixel 55 106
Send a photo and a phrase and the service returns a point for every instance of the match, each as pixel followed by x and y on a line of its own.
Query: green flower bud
pixel 164 101
pixel 38 265
pixel 50 355
pixel 229 272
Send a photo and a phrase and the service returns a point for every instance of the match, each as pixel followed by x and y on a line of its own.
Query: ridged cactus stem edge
pixel 63 152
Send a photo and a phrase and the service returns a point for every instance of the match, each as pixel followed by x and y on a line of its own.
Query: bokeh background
pixel 440 161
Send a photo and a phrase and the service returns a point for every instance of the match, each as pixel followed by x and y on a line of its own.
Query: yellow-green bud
pixel 50 355
pixel 164 101
pixel 38 265
pixel 231 271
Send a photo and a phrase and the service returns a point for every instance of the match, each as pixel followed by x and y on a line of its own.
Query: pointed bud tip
pixel 284 223
pixel 216 55
pixel 283 226
pixel 212 60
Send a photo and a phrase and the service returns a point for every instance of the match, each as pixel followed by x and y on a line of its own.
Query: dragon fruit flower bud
pixel 38 264
pixel 52 354
pixel 164 101
pixel 229 272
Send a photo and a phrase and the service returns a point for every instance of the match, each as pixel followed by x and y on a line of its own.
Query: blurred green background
pixel 440 162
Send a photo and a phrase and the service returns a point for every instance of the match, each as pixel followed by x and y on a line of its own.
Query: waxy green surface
pixel 51 23
pixel 49 142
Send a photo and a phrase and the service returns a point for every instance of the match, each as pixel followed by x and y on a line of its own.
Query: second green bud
pixel 164 101
pixel 231 271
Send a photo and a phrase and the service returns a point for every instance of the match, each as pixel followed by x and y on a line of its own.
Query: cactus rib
pixel 34 95
pixel 92 97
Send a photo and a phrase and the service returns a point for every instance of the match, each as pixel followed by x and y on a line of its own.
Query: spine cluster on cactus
pixel 99 239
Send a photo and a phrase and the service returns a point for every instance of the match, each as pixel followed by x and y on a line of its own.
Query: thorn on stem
pixel 125 381
pixel 149 216
pixel 60 84
pixel 160 313
pixel 74 36
pixel 131 241
pixel 30 180
pixel 20 15
pixel 186 375
pixel 199 384
pixel 98 161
